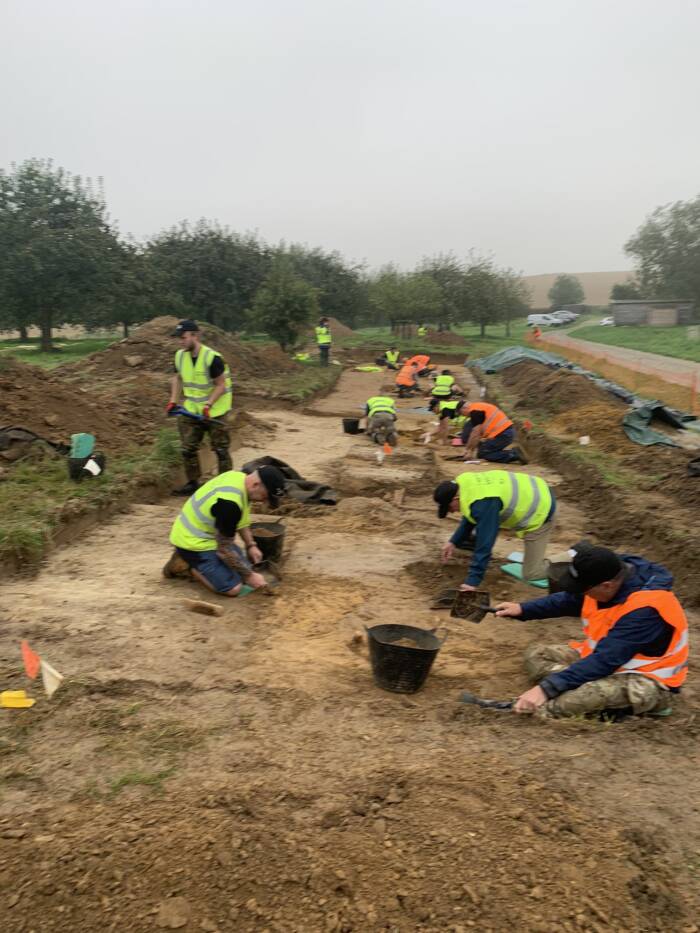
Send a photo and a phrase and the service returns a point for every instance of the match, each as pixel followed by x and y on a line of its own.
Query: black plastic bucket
pixel 555 570
pixel 269 537
pixel 401 668
pixel 351 425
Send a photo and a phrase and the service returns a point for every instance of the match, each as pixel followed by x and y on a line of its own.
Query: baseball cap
pixel 184 327
pixel 590 566
pixel 273 481
pixel 443 495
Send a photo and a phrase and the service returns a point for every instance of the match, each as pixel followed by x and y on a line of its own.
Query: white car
pixel 607 322
pixel 566 317
pixel 543 320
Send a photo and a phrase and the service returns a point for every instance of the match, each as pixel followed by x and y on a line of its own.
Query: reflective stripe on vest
pixel 495 422
pixel 380 403
pixel 323 335
pixel 197 384
pixel 195 529
pixel 526 499
pixel 443 385
pixel 670 669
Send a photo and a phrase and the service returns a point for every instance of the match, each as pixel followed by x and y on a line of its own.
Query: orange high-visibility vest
pixel 495 421
pixel 672 668
pixel 421 360
pixel 406 376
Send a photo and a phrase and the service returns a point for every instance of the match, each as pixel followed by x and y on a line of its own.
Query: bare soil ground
pixel 243 773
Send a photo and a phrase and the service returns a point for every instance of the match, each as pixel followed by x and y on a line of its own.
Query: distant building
pixel 661 313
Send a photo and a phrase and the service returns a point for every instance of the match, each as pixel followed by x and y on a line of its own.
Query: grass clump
pixel 136 778
pixel 66 350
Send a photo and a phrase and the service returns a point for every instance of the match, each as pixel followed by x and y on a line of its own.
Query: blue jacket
pixel 641 631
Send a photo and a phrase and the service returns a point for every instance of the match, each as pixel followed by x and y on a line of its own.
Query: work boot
pixel 176 567
pixel 520 455
pixel 187 490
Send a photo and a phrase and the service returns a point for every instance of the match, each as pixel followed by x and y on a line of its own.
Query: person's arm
pixel 227 515
pixel 636 632
pixel 218 377
pixel 253 551
pixel 175 389
pixel 486 514
pixel 473 443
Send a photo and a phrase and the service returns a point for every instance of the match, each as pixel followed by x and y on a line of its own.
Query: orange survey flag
pixel 32 661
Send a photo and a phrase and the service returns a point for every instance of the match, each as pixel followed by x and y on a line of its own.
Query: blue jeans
pixel 493 449
pixel 213 569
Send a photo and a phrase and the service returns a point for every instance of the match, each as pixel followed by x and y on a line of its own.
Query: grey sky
pixel 541 131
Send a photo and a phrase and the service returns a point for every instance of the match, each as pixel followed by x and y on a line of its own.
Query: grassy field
pixel 33 495
pixel 67 350
pixel 476 346
pixel 669 341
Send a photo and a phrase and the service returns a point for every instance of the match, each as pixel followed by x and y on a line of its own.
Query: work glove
pixel 206 411
pixel 170 407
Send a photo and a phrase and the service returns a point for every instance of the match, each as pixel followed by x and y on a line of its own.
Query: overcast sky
pixel 541 131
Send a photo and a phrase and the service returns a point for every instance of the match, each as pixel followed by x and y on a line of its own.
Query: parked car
pixel 543 320
pixel 567 317
pixel 608 322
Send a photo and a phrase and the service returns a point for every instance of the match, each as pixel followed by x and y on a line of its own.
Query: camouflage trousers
pixel 382 427
pixel 618 691
pixel 192 434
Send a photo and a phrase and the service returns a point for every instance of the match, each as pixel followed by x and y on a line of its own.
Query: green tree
pixel 411 296
pixel 567 290
pixel 447 271
pixel 667 251
pixel 207 272
pixel 342 289
pixel 285 305
pixel 56 247
pixel 624 291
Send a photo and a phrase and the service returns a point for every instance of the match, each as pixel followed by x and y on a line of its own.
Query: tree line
pixel 64 261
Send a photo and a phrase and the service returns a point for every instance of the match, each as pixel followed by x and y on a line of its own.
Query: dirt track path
pixel 245 772
pixel 673 368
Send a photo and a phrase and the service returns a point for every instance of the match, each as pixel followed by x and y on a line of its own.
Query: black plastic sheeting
pixel 635 423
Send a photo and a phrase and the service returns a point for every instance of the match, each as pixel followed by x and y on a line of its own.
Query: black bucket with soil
pixel 401 656
pixel 269 537
pixel 351 426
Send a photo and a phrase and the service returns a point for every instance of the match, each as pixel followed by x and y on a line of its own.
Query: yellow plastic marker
pixel 16 699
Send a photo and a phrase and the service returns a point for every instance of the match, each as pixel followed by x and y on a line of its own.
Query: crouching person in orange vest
pixel 634 652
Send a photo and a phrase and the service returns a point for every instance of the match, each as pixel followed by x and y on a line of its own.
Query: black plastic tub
pixel 401 668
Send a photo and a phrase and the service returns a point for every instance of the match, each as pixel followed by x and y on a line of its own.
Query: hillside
pixel 596 285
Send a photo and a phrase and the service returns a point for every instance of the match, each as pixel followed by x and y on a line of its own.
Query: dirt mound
pixel 151 348
pixel 601 421
pixel 445 338
pixel 552 390
pixel 338 329
pixel 53 408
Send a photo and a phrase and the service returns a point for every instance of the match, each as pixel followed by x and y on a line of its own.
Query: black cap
pixel 590 566
pixel 443 495
pixel 185 327
pixel 273 480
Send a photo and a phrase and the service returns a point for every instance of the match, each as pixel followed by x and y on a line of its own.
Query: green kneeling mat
pixel 245 589
pixel 516 570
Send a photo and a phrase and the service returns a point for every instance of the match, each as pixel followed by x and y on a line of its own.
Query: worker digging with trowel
pixel 204 532
pixel 634 651
pixel 494 500
pixel 485 431
pixel 204 380
pixel 445 386
pixel 380 412
pixel 407 380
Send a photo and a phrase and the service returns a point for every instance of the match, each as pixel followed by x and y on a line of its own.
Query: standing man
pixel 380 412
pixel 204 531
pixel 634 652
pixel 323 339
pixel 422 330
pixel 204 380
pixel 493 500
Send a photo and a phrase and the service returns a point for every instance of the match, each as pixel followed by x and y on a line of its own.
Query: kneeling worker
pixel 634 652
pixel 204 531
pixel 486 434
pixel 445 386
pixel 493 500
pixel 390 359
pixel 407 380
pixel 380 412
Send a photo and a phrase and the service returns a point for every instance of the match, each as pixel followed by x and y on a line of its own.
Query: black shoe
pixel 187 490
pixel 519 455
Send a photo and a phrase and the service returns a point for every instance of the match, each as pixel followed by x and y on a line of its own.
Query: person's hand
pixel 531 700
pixel 254 553
pixel 206 411
pixel 467 588
pixel 256 580
pixel 447 552
pixel 469 454
pixel 170 406
pixel 509 610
